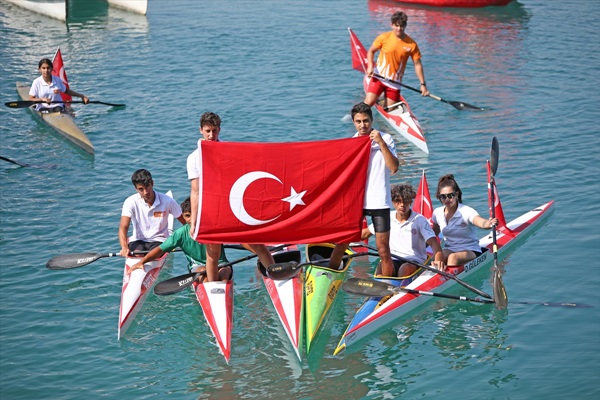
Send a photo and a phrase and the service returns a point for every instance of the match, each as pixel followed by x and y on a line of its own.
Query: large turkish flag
pixel 301 192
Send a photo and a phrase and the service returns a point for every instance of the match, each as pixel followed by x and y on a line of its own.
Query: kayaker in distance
pixel 377 201
pixel 410 233
pixel 195 252
pixel 394 49
pixel 457 223
pixel 210 127
pixel 149 211
pixel 48 87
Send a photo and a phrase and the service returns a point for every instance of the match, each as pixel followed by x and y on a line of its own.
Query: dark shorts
pixel 140 245
pixel 380 219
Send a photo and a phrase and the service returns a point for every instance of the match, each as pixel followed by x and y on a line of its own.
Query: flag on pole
pixel 359 53
pixel 302 192
pixel 422 203
pixel 58 69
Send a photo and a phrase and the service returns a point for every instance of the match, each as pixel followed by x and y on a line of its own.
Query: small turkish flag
pixel 58 69
pixel 302 192
pixel 359 54
pixel 422 203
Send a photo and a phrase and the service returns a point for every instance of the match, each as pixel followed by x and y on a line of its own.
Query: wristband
pixel 423 84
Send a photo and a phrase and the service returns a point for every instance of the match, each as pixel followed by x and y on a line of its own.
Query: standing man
pixel 394 49
pixel 149 211
pixel 377 201
pixel 210 127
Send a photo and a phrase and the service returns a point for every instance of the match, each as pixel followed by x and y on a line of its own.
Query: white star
pixel 295 199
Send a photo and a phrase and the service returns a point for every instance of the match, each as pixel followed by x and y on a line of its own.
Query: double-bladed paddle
pixel 437 271
pixel 21 164
pixel 288 270
pixel 179 283
pixel 29 103
pixel 459 105
pixel 373 288
pixel 500 296
pixel 76 260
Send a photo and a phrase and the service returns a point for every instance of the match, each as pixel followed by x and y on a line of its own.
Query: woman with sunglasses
pixel 457 223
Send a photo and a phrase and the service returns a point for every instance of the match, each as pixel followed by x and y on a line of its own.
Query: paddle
pixel 373 288
pixel 20 164
pixel 500 296
pixel 288 270
pixel 28 103
pixel 459 105
pixel 437 271
pixel 76 260
pixel 178 283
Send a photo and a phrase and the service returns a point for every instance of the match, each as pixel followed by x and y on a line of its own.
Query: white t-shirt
pixel 459 233
pixel 377 193
pixel 193 165
pixel 150 224
pixel 39 88
pixel 409 239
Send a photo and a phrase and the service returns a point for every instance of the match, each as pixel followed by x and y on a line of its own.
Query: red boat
pixel 457 3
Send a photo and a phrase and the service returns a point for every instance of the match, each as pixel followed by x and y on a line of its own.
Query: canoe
pixel 401 118
pixel 138 285
pixel 216 300
pixel 321 287
pixel 457 3
pixel 508 235
pixel 287 297
pixel 61 122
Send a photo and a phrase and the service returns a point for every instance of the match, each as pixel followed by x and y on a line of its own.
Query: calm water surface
pixel 281 71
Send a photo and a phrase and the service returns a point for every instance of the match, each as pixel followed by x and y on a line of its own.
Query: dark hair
pixel 362 108
pixel 404 192
pixel 141 177
pixel 448 180
pixel 210 118
pixel 45 61
pixel 186 205
pixel 399 18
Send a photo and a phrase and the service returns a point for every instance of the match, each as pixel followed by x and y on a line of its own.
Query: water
pixel 280 71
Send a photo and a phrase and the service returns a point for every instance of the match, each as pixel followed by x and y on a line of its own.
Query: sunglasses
pixel 448 196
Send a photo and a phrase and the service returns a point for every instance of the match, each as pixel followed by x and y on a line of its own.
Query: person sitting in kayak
pixel 410 233
pixel 395 47
pixel 210 127
pixel 377 201
pixel 195 252
pixel 48 88
pixel 457 223
pixel 149 211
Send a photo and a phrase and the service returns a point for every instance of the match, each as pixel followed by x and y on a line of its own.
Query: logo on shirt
pixel 159 214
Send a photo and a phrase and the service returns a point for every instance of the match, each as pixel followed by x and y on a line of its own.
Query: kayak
pixel 136 6
pixel 216 300
pixel 61 122
pixel 508 235
pixel 401 117
pixel 287 297
pixel 458 3
pixel 138 285
pixel 321 287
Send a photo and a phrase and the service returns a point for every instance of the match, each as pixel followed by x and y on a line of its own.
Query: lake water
pixel 281 71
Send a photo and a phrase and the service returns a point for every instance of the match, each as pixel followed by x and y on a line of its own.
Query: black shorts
pixel 380 219
pixel 140 245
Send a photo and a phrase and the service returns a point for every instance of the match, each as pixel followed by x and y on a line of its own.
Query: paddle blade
pixel 494 155
pixel 284 270
pixel 67 261
pixel 459 105
pixel 176 284
pixel 367 287
pixel 20 103
pixel 500 295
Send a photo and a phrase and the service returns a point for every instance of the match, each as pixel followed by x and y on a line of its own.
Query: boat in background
pixel 138 285
pixel 398 305
pixel 400 117
pixel 287 297
pixel 56 9
pixel 457 3
pixel 321 287
pixel 136 6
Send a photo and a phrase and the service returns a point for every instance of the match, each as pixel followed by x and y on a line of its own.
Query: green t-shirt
pixel 194 251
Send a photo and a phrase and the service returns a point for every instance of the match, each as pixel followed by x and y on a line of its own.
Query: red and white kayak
pixel 138 285
pixel 401 303
pixel 401 118
pixel 287 297
pixel 216 300
pixel 457 3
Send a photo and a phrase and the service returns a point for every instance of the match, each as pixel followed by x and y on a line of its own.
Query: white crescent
pixel 236 197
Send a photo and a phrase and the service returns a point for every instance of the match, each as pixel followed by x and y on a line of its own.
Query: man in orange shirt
pixel 395 47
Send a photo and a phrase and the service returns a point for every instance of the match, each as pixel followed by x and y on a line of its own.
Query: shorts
pixel 377 87
pixel 380 219
pixel 141 245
